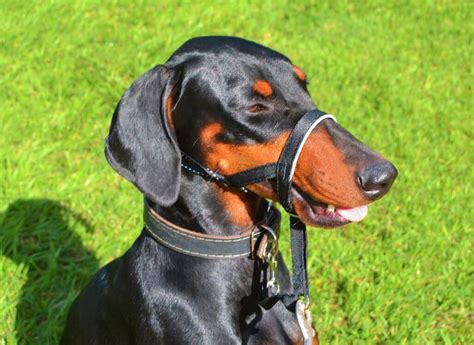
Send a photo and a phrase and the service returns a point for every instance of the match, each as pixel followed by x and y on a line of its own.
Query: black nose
pixel 376 179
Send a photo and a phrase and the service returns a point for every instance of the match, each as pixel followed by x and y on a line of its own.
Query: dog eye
pixel 256 108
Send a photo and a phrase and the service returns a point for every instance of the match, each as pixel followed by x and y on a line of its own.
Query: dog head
pixel 231 104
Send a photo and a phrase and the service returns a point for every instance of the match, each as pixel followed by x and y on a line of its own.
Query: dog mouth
pixel 317 213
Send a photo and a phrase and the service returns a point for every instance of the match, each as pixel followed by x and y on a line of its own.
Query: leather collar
pixel 255 242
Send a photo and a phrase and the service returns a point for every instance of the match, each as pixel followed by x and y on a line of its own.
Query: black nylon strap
pixel 288 156
pixel 299 276
pixel 258 174
pixel 240 179
pixel 298 256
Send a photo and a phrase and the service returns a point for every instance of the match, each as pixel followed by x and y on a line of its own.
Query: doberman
pixel 230 104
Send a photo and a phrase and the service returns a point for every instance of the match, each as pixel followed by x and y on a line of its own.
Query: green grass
pixel 398 75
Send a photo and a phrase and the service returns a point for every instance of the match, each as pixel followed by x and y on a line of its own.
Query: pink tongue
pixel 355 214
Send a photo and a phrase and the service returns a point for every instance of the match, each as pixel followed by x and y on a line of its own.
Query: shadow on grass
pixel 37 234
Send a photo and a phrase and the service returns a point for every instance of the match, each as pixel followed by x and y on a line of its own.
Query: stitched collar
pixel 247 244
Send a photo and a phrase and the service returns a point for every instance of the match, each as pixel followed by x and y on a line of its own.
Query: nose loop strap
pixel 289 156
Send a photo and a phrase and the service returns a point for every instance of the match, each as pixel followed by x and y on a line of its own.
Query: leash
pixel 205 245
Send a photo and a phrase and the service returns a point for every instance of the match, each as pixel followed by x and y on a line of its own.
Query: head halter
pixel 283 171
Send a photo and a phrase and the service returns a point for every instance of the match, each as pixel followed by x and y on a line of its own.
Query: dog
pixel 231 104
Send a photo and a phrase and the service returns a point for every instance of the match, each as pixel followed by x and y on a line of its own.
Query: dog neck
pixel 210 208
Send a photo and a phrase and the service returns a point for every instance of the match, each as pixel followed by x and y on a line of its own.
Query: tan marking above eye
pixel 299 73
pixel 263 88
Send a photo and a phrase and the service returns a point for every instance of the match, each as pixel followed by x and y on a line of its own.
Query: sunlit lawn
pixel 399 76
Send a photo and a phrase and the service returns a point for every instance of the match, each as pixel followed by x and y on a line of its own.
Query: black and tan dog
pixel 231 104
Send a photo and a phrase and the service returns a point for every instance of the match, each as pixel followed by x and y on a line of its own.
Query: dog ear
pixel 141 145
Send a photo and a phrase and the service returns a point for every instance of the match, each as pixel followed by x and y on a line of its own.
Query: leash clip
pixel 267 251
pixel 305 320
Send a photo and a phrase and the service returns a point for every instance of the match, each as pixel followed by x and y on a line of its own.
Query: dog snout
pixel 376 179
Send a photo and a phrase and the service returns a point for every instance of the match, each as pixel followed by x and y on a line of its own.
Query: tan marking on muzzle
pixel 323 174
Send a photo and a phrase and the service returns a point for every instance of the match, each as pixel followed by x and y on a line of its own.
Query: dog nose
pixel 376 179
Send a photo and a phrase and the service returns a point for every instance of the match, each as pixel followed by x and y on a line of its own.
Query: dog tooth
pixel 332 208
